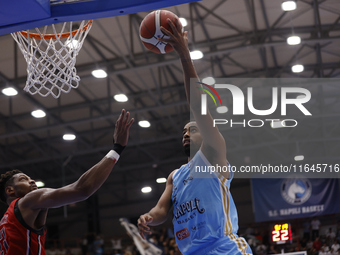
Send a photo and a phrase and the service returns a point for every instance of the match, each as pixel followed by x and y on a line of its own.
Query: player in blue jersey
pixel 205 217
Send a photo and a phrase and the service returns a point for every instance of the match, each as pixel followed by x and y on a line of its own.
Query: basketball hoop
pixel 51 58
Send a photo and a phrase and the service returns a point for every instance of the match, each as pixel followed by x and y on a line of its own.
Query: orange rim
pixel 53 36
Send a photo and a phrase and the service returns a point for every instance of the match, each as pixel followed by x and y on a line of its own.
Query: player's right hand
pixel 142 224
pixel 178 38
pixel 123 124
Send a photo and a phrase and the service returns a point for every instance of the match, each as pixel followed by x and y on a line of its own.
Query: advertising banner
pixel 281 199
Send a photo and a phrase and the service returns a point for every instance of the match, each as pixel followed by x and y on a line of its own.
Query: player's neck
pixel 10 200
pixel 192 154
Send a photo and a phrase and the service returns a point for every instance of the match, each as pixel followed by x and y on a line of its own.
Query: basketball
pixel 149 30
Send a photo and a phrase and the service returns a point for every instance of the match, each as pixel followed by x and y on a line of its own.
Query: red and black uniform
pixel 16 237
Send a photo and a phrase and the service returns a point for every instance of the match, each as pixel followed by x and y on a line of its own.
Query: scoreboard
pixel 282 233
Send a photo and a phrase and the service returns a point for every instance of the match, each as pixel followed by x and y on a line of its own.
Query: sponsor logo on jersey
pixel 182 234
pixel 198 226
pixel 187 180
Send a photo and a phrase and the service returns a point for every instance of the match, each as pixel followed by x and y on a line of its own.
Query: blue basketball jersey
pixel 205 217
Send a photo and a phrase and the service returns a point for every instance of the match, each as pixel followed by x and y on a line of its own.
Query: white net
pixel 51 58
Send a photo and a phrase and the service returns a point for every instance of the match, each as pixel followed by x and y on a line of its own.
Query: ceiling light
pixel 301 96
pixel 288 6
pixel 72 44
pixel 196 54
pixel 69 137
pixel 209 80
pixel 9 91
pixel 222 109
pixel 38 114
pixel 99 73
pixel 161 180
pixel 146 189
pixel 297 68
pixel 183 22
pixel 299 158
pixel 120 98
pixel 144 123
pixel 40 184
pixel 294 40
pixel 276 124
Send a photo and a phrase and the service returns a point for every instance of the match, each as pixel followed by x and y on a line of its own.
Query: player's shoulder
pixel 171 175
pixel 29 199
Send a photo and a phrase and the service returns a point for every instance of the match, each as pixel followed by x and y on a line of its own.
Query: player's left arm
pixel 212 138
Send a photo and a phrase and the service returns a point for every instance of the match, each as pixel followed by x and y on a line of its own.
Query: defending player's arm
pixel 212 138
pixel 159 213
pixel 89 182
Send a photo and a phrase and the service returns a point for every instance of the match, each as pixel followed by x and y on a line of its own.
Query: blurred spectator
pixel 116 244
pixel 116 252
pixel 303 244
pixel 84 246
pixel 330 234
pixel 258 236
pixel 306 230
pixel 316 245
pixel 315 227
pixel 324 250
pixel 163 235
pixel 90 239
pixel 249 231
pixel 153 239
pixel 252 245
pixel 98 249
pixel 176 250
pixel 170 233
pixel 335 246
pixel 265 237
pixel 330 237
pixel 168 246
pixel 261 249
pixel 98 245
pixel 309 245
pixel 272 250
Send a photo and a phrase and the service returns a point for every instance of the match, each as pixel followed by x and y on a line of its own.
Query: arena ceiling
pixel 239 39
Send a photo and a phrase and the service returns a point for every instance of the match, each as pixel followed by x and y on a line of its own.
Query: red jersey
pixel 16 237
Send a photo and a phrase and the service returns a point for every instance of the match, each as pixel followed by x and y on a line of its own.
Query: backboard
pixel 27 14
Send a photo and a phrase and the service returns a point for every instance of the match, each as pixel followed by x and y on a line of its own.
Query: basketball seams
pixel 146 27
pixel 158 23
pixel 152 34
pixel 153 22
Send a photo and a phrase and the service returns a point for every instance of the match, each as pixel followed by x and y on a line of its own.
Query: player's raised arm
pixel 210 134
pixel 159 213
pixel 89 182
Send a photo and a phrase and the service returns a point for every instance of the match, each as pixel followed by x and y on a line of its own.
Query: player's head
pixel 15 184
pixel 191 138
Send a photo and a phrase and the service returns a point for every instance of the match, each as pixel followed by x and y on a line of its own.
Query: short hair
pixel 6 179
pixel 188 121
